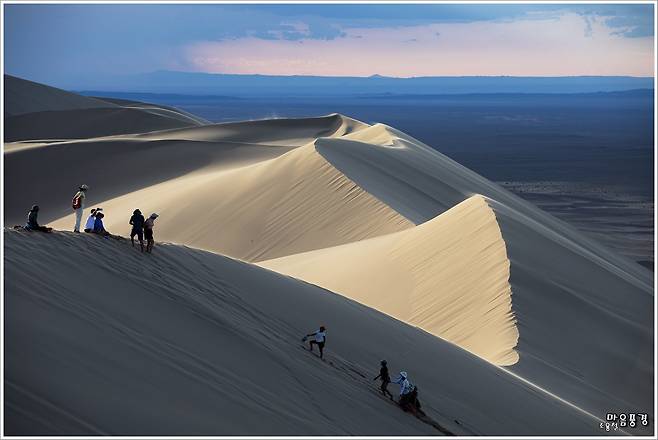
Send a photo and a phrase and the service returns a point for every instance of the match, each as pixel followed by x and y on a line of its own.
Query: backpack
pixel 76 202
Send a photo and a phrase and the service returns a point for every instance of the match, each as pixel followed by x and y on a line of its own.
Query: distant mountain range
pixel 194 83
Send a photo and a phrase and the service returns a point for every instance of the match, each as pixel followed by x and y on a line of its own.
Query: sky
pixel 57 41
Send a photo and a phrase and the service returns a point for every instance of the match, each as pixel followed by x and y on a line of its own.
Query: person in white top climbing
pixel 405 385
pixel 319 340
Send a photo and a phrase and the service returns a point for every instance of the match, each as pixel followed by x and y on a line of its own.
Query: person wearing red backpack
pixel 78 205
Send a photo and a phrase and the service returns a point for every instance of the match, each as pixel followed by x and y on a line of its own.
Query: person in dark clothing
pixel 415 402
pixel 385 378
pixel 409 402
pixel 32 222
pixel 137 220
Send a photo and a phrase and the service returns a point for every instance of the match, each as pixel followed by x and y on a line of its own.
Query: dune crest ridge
pixel 448 276
pixel 293 203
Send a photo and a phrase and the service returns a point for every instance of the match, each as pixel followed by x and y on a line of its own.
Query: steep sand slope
pixel 448 276
pixel 185 342
pixel 22 96
pixel 89 123
pixel 585 315
pixel 49 173
pixel 294 203
pixel 36 112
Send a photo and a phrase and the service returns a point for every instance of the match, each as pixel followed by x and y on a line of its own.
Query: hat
pixel 154 215
pixel 403 374
pixel 84 187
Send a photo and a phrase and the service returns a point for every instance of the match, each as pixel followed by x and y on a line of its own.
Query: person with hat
pixel 148 231
pixel 78 205
pixel 405 385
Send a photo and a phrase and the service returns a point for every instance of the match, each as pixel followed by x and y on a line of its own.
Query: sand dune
pixel 187 342
pixel 23 96
pixel 367 212
pixel 35 112
pixel 598 290
pixel 118 165
pixel 448 276
pixel 294 203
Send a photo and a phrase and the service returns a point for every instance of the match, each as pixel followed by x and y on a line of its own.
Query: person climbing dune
pixel 405 386
pixel 320 337
pixel 385 378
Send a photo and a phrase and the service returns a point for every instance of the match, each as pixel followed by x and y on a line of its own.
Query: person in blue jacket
pixel 99 228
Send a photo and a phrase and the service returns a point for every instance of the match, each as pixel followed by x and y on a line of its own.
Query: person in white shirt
pixel 319 340
pixel 89 225
pixel 78 205
pixel 405 385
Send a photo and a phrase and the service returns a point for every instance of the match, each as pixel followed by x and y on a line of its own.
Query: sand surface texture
pixel 510 321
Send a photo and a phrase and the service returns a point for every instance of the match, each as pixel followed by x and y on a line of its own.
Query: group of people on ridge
pixel 140 227
pixel 408 391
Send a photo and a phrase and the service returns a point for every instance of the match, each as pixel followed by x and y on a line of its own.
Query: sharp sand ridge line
pixel 420 183
pixel 555 396
pixel 293 203
pixel 448 276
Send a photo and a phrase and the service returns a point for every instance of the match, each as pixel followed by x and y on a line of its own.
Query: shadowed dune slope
pixel 262 190
pixel 38 112
pixel 23 96
pixel 186 342
pixel 448 276
pixel 294 203
pixel 578 305
pixel 119 165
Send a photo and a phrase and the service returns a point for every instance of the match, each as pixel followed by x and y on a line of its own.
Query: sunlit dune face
pixel 568 44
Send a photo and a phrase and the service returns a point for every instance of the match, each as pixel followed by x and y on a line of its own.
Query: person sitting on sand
pixel 385 378
pixel 320 339
pixel 148 231
pixel 99 227
pixel 137 221
pixel 32 222
pixel 89 225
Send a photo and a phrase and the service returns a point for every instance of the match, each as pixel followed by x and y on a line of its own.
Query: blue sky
pixel 56 41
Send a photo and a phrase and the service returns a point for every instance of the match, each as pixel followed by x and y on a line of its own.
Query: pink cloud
pixel 565 45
